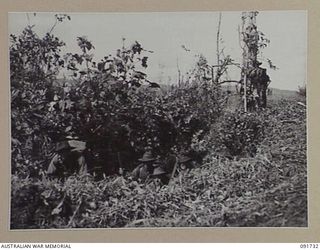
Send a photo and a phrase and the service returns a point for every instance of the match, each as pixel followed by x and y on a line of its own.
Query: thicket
pixel 112 104
pixel 269 189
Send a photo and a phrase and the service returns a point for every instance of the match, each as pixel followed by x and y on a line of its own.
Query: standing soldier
pixel 68 159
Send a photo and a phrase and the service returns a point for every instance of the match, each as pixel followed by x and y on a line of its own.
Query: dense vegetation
pixel 252 165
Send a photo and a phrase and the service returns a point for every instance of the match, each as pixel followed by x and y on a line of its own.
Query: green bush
pixel 110 105
pixel 241 132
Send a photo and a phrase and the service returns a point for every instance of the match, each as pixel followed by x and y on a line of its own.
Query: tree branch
pixel 54 25
pixel 218 39
pixel 229 81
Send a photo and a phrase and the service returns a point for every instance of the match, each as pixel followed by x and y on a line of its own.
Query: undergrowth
pixel 268 189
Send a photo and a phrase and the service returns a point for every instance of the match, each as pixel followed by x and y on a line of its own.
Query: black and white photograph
pixel 158 119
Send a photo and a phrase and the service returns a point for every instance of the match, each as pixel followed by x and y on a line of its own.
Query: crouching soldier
pixel 162 174
pixel 185 163
pixel 171 167
pixel 144 170
pixel 68 159
pixel 166 171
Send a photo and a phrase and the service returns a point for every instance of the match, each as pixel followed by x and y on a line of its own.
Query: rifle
pixel 174 169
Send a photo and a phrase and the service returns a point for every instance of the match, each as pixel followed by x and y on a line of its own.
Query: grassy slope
pixel 269 189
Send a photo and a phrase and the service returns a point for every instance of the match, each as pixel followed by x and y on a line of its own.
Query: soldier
pixel 260 80
pixel 144 170
pixel 163 170
pixel 185 162
pixel 163 175
pixel 171 166
pixel 68 159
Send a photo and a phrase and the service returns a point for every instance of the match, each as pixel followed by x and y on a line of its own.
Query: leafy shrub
pixel 241 132
pixel 34 65
pixel 302 90
pixel 111 104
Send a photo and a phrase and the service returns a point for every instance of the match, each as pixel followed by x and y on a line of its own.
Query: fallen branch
pixel 302 104
pixel 174 169
pixel 135 222
pixel 289 121
pixel 74 214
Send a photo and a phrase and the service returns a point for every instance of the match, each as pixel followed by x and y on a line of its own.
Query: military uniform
pixel 144 170
pixel 171 166
pixel 185 162
pixel 69 159
pixel 162 174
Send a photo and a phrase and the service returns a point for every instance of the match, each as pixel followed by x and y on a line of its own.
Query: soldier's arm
pixel 83 167
pixel 52 169
pixel 135 173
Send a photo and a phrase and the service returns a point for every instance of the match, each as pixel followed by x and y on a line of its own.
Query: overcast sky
pixel 165 33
